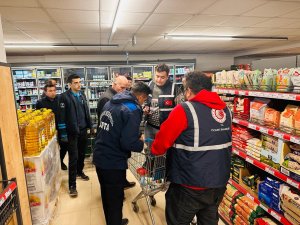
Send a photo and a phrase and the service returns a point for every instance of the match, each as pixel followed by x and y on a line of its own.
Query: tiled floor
pixel 87 209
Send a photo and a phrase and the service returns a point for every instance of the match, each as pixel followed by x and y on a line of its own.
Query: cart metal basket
pixel 150 172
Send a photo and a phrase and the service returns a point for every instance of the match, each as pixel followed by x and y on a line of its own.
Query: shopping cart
pixel 150 172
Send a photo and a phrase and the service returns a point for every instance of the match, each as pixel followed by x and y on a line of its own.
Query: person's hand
pixel 142 138
pixel 146 110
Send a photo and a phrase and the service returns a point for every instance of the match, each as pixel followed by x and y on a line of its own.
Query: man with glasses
pixel 120 84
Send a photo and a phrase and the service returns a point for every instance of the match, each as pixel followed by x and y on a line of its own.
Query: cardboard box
pixel 39 207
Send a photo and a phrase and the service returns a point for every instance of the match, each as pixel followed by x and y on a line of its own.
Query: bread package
pixel 272 118
pixel 257 109
pixel 296 80
pixel 287 119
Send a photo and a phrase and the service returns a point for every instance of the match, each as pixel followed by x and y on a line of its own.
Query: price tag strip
pixel 265 130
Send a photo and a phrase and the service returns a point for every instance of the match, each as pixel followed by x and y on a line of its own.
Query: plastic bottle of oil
pixel 22 127
pixel 32 139
pixel 42 132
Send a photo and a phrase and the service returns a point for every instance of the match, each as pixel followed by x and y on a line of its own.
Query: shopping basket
pixel 150 172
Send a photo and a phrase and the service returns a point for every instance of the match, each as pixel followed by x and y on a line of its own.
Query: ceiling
pixel 75 22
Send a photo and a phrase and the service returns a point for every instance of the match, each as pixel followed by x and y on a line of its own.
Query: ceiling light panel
pixel 74 16
pixel 71 4
pixel 24 14
pixel 232 7
pixel 273 9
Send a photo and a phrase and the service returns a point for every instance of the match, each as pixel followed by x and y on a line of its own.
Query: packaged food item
pixel 268 80
pixel 257 110
pixel 296 80
pixel 297 122
pixel 272 118
pixel 287 119
pixel 283 80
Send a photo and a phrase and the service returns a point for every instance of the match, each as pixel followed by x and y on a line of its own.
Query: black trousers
pixel 182 204
pixel 112 194
pixel 75 147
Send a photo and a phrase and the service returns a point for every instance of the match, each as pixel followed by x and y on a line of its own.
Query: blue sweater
pixel 118 132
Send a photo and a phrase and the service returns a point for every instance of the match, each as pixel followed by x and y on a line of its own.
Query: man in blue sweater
pixel 117 137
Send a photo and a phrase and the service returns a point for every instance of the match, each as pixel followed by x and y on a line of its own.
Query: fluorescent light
pixel 115 21
pixel 39 45
pixel 221 38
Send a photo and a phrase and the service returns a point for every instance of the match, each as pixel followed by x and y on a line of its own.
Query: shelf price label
pixel 250 196
pixel 278 134
pixel 293 183
pixel 249 160
pixel 252 126
pixel 275 215
pixel 270 171
pixel 295 140
pixel 235 152
pixel 263 130
pixel 263 207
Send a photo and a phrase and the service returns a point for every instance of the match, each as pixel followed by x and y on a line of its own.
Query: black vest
pixel 201 154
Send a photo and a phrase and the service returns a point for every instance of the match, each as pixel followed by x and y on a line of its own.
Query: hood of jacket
pixel 125 96
pixel 210 99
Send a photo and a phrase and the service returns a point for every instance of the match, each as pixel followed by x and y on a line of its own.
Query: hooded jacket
pixel 198 136
pixel 118 132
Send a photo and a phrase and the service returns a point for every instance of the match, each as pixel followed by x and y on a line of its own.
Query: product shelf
pixel 269 131
pixel 267 168
pixel 263 94
pixel 273 213
pixel 228 222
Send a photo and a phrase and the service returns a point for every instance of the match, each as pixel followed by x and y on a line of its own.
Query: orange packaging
pixel 272 117
pixel 287 117
pixel 297 121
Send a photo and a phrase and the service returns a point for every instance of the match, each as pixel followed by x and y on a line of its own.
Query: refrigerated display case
pixel 97 73
pixel 142 73
pixel 26 89
pixel 181 70
pixel 120 70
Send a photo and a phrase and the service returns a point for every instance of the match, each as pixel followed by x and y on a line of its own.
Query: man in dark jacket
pixel 74 120
pixel 118 136
pixel 119 85
pixel 198 136
pixel 50 101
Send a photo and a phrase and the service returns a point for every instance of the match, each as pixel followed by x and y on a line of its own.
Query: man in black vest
pixel 74 120
pixel 50 101
pixel 198 136
pixel 160 102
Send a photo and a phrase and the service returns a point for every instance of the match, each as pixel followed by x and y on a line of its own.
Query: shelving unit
pixel 121 70
pixel 26 89
pixel 67 71
pixel 181 70
pixel 43 74
pixel 142 73
pixel 273 213
pixel 291 137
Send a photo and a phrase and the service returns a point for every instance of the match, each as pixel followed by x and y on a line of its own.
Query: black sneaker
pixel 129 185
pixel 73 192
pixel 83 176
pixel 63 166
pixel 125 221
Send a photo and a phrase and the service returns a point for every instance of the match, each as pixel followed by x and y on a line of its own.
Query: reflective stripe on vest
pixel 196 136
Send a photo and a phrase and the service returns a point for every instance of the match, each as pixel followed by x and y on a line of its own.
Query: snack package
pixel 223 77
pixel 272 118
pixel 257 109
pixel 287 119
pixel 283 80
pixel 256 79
pixel 296 80
pixel 229 78
pixel 268 80
pixel 290 199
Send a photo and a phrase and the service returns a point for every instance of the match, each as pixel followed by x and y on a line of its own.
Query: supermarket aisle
pixel 86 209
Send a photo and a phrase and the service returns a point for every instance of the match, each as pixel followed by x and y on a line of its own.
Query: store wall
pixel 205 62
pixel 275 63
pixel 2 49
